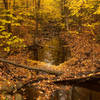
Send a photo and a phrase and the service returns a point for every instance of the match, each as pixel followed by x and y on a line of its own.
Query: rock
pixel 18 96
pixel 6 86
pixel 59 95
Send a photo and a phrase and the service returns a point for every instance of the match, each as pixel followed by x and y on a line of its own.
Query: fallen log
pixel 91 81
pixel 51 69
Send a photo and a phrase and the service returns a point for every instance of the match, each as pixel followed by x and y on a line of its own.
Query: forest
pixel 49 49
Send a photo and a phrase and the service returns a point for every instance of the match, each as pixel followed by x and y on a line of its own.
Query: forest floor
pixel 85 58
pixel 85 54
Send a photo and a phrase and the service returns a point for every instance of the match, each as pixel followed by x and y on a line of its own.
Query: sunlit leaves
pixel 15 24
pixel 50 9
pixel 74 6
pixel 3 21
pixel 8 40
pixel 2 28
pixel 98 10
pixel 7 49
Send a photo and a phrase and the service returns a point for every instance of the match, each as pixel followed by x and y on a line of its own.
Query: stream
pixel 53 51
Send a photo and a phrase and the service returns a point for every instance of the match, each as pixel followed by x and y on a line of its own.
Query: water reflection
pixel 75 93
pixel 80 93
pixel 53 51
pixel 59 95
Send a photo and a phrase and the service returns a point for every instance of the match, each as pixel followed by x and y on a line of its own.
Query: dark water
pixel 53 51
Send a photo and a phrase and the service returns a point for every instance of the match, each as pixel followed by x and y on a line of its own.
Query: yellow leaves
pixel 16 40
pixel 1 44
pixel 62 25
pixel 3 21
pixel 89 6
pixel 1 37
pixel 91 74
pixel 7 15
pixel 7 49
pixel 97 11
pixel 92 27
pixel 50 9
pixel 5 35
pixel 76 5
pixel 94 39
pixel 9 41
pixel 2 28
pixel 73 32
pixel 16 24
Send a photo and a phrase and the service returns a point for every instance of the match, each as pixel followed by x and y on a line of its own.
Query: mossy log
pixel 38 66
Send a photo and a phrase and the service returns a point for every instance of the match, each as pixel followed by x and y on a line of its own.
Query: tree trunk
pixel 64 12
pixel 37 16
pixel 66 23
pixel 37 7
pixel 14 3
pixel 27 4
pixel 6 4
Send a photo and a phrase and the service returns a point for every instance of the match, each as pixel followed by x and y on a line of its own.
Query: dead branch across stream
pixel 50 69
